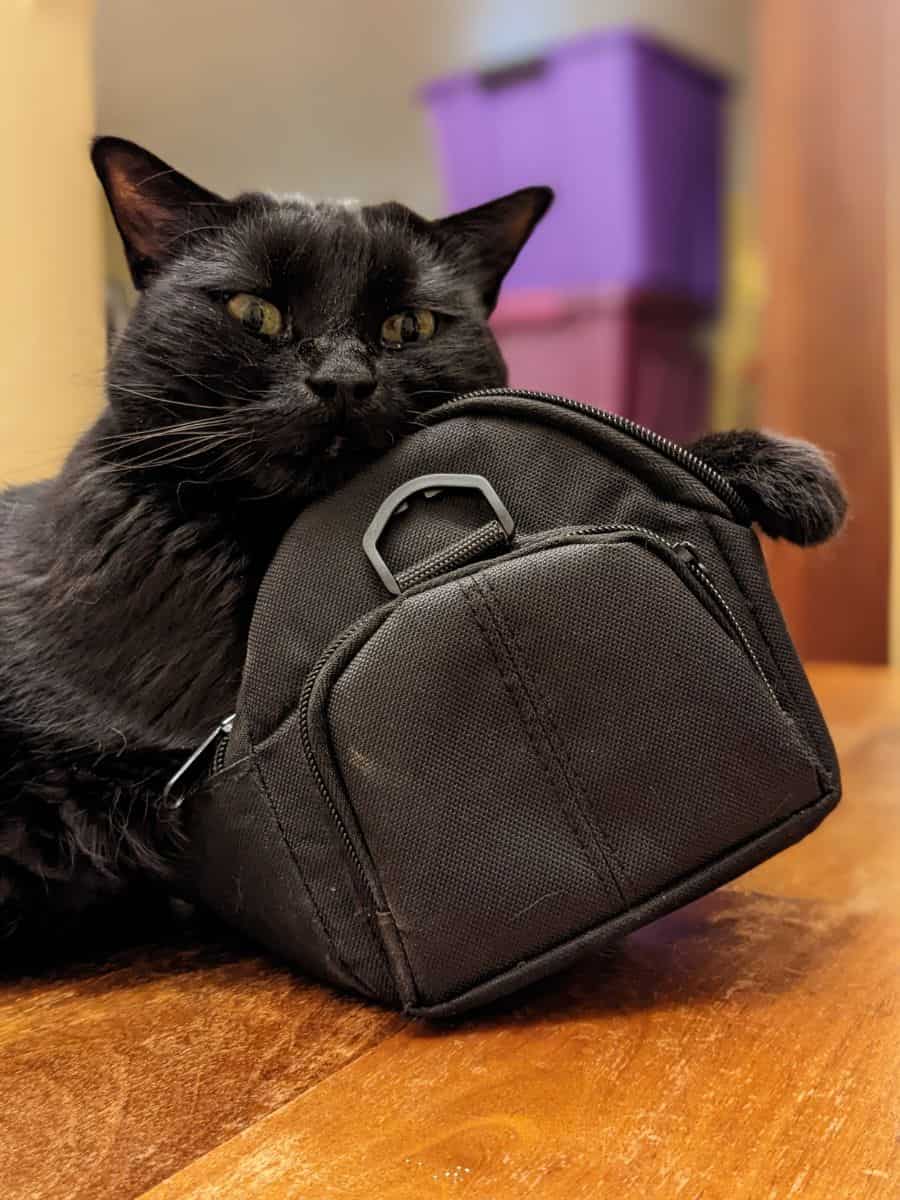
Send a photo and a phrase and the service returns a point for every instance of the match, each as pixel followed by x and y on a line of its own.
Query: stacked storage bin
pixel 608 301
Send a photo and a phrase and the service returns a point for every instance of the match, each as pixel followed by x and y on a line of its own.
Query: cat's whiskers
pixel 161 398
pixel 245 463
pixel 237 395
pixel 199 425
pixel 182 450
pixel 130 391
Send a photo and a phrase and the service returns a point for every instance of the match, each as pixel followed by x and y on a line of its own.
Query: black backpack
pixel 516 689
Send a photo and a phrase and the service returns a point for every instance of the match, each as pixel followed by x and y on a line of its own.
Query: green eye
pixel 256 314
pixel 412 325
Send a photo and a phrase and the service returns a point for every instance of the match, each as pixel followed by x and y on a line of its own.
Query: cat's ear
pixel 486 240
pixel 790 488
pixel 153 204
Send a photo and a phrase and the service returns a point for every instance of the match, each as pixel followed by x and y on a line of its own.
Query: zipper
pixel 215 744
pixel 684 553
pixel 218 761
pixel 688 556
pixel 707 475
pixel 306 739
pixel 680 555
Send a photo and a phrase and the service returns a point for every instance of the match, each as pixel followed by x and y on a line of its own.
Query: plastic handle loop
pixel 426 483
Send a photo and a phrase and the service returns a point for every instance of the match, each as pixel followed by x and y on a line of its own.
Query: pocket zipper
pixel 683 553
pixel 306 738
pixel 699 571
pixel 680 555
pixel 717 484
pixel 687 553
pixel 216 743
pixel 688 556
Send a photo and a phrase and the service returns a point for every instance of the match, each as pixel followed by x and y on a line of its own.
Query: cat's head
pixel 277 344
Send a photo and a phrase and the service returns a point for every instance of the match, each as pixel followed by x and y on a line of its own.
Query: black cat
pixel 277 346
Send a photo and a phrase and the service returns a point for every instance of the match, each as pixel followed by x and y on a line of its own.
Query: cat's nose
pixel 343 387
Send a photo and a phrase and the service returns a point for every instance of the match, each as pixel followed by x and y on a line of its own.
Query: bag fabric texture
pixel 551 699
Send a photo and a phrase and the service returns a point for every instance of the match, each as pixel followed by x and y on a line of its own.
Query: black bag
pixel 518 688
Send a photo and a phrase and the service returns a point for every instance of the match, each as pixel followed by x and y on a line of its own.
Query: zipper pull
pixel 688 553
pixel 175 790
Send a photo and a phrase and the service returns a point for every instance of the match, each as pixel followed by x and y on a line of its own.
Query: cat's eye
pixel 257 315
pixel 411 325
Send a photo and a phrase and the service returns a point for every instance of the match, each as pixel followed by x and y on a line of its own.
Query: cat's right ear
pixel 486 240
pixel 153 205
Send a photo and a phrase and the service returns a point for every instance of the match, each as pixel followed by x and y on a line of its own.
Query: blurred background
pixel 724 250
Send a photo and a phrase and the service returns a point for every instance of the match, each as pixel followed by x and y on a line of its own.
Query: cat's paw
pixel 789 486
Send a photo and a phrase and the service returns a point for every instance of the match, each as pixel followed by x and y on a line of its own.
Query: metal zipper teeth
pixel 699 571
pixel 218 761
pixel 708 475
pixel 306 739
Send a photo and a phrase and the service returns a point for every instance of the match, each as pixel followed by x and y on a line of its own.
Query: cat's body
pixel 121 627
pixel 277 346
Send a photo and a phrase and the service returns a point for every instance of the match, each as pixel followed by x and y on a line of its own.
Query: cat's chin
pixel 303 475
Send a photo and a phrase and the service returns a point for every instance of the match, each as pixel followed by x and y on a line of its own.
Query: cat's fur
pixel 127 583
pixel 787 484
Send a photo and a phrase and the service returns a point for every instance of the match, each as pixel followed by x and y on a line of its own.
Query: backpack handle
pixel 498 532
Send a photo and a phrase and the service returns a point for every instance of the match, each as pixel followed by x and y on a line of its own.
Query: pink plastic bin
pixel 636 355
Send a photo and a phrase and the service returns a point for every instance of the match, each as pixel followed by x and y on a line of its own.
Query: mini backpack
pixel 516 689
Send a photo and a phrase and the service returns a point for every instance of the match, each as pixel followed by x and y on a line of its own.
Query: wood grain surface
pixel 720 1054
pixel 113 1078
pixel 745 1047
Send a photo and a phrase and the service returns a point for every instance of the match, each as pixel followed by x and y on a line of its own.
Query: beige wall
pixel 51 333
pixel 315 95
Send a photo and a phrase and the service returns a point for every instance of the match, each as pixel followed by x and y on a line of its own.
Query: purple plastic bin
pixel 628 133
pixel 639 356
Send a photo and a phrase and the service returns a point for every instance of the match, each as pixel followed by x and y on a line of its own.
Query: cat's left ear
pixel 154 205
pixel 487 239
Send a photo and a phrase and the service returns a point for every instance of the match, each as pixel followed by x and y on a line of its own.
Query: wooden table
pixel 748 1046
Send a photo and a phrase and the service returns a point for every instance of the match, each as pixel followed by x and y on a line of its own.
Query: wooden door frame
pixel 822 153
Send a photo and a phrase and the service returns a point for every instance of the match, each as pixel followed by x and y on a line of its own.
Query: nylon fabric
pixel 435 798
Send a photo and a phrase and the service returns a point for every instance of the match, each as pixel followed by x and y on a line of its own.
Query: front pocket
pixel 539 744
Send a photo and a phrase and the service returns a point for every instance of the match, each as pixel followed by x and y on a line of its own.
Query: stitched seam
pixel 554 736
pixel 529 723
pixel 537 735
pixel 265 790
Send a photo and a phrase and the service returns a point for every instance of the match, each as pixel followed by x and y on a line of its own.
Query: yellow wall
pixel 892 208
pixel 51 272
pixel 317 95
pixel 736 338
